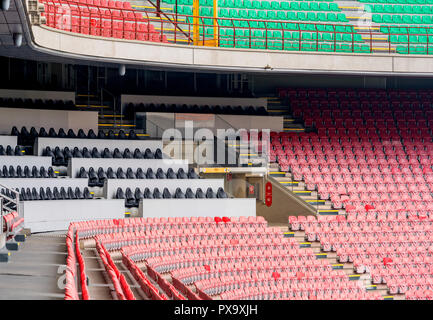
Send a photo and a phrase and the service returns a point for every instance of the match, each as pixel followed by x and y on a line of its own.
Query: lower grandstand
pixel 216 150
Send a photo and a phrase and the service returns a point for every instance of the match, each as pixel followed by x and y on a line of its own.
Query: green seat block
pixel 347 37
pixel 403 39
pixel 341 17
pixel 285 5
pixel 292 16
pixel 248 4
pixel 388 8
pixel 377 18
pixel 256 4
pixel 301 16
pixel 287 35
pixel 311 16
pixel 426 20
pixel 294 6
pixel 271 15
pixel 386 18
pixel 416 19
pixel 275 5
pixel 243 14
pixel 281 15
pixel 258 44
pixel 363 48
pixel 321 16
pixel 422 39
pixel 265 5
pixel 417 9
pixel 407 19
pixel 223 13
pixel 325 47
pixel 401 49
pixel 413 39
pixel 334 7
pixel 344 48
pixel 393 39
pixel 314 6
pixel 277 34
pixel 252 14
pixel 327 36
pixel 304 6
pixel 324 6
pixel 395 19
pixel 296 35
pixel 426 10
pixel 332 17
pixel 261 15
pixel 229 4
pixel 407 9
pixel 233 13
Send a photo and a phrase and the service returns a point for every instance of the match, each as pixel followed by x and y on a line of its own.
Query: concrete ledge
pixel 101 49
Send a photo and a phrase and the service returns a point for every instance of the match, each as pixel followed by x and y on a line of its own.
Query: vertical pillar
pixel 196 22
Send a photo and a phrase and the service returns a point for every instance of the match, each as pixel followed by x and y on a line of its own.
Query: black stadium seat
pixel 192 174
pixel 129 198
pixel 221 194
pixel 138 196
pixel 120 174
pixel 130 174
pixel 91 134
pixel 189 194
pixel 71 134
pixel 140 174
pixel 199 194
pixel 86 153
pixel 171 174
pixel 210 194
pixel 181 174
pixel 138 154
pixel 96 153
pixel 83 173
pixel 111 174
pixel 166 194
pixel 81 134
pixel 150 174
pixel 148 154
pixel 160 174
pixel 147 194
pixel 157 194
pixel 179 194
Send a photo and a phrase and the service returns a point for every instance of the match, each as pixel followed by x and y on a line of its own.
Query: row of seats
pixel 192 250
pixel 398 8
pixel 26 135
pixel 61 157
pixel 393 249
pixel 404 2
pixel 37 103
pixel 132 199
pixel 10 151
pixel 27 194
pixel 19 172
pixel 263 5
pixel 131 108
pixel 354 94
pixel 99 18
pixel 97 178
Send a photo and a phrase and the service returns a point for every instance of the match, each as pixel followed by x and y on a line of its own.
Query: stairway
pixel 335 263
pixel 165 21
pixel 361 20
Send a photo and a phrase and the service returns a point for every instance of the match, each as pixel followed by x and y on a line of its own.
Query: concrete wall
pixel 157 122
pixel 8 141
pixel 100 144
pixel 23 161
pixel 75 164
pixel 283 206
pixel 54 215
pixel 10 117
pixel 197 207
pixel 111 185
pixel 210 58
pixel 38 94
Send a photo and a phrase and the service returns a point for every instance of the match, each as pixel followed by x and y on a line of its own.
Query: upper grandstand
pixel 257 36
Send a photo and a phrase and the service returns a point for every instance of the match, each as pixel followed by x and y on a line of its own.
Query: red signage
pixel 268 194
pixel 251 189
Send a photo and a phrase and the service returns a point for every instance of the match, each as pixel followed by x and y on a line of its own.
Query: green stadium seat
pixel 275 5
pixel 334 7
pixel 265 5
